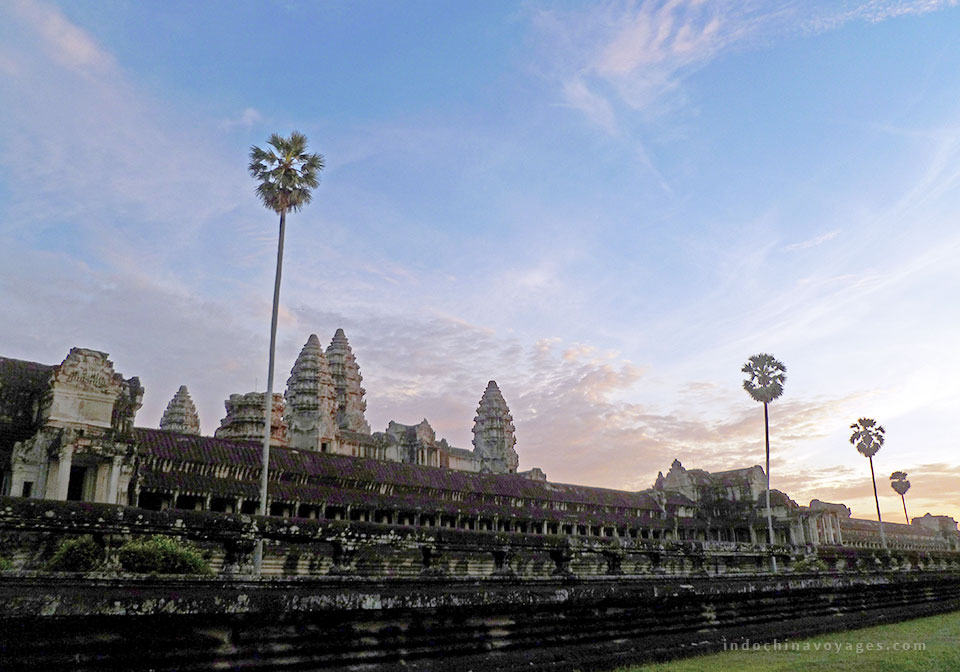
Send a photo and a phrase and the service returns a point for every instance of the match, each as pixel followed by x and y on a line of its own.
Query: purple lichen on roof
pixel 307 476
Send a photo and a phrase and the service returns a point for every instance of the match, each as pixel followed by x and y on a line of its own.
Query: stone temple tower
pixel 181 415
pixel 311 408
pixel 346 380
pixel 493 434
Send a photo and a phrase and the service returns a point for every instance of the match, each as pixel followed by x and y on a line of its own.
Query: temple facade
pixel 67 432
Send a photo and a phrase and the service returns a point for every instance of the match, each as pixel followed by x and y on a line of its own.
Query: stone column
pixel 63 472
pixel 113 493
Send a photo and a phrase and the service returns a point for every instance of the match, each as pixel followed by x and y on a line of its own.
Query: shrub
pixel 811 564
pixel 81 554
pixel 5 563
pixel 162 555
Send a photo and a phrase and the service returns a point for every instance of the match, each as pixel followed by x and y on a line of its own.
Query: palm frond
pixel 766 377
pixel 867 436
pixel 286 174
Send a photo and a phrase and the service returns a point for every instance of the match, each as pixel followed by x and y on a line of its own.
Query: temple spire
pixel 181 414
pixel 311 408
pixel 346 380
pixel 493 433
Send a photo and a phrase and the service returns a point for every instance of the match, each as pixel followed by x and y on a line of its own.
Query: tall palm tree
pixel 765 384
pixel 286 174
pixel 868 438
pixel 900 485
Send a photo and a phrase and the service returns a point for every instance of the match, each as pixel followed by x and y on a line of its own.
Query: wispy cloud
pixel 635 55
pixel 66 43
pixel 244 120
pixel 114 158
pixel 813 242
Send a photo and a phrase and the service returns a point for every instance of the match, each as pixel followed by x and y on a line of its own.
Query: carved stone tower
pixel 244 421
pixel 181 414
pixel 346 380
pixel 493 434
pixel 311 411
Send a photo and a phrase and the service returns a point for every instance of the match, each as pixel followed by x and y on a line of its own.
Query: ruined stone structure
pixel 181 414
pixel 76 431
pixel 244 421
pixel 66 432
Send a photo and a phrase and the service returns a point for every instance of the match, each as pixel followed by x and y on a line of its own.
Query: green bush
pixel 5 563
pixel 162 555
pixel 81 554
pixel 809 564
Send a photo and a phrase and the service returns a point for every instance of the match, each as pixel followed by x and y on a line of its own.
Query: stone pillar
pixel 112 492
pixel 63 473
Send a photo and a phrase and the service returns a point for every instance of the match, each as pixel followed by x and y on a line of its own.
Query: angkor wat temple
pixel 67 432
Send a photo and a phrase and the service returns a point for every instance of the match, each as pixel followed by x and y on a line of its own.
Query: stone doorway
pixel 78 476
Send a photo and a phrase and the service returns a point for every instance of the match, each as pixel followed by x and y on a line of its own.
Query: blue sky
pixel 606 207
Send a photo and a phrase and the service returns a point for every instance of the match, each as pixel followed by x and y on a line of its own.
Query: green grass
pixel 939 634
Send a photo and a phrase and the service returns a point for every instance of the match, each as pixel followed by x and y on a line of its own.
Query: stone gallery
pixel 67 432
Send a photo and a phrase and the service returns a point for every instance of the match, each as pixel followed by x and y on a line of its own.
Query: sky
pixel 606 207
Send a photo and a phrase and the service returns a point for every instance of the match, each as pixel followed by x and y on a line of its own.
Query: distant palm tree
pixel 286 174
pixel 868 438
pixel 765 384
pixel 900 485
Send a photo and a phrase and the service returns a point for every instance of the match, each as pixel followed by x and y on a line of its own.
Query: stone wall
pixel 360 595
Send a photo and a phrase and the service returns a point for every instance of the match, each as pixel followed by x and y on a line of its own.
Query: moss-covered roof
pixel 306 476
pixel 22 386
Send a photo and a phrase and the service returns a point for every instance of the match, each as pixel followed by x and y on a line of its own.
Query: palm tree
pixel 765 384
pixel 868 438
pixel 900 485
pixel 286 174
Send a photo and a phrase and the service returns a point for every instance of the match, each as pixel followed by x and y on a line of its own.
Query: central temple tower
pixel 346 381
pixel 493 434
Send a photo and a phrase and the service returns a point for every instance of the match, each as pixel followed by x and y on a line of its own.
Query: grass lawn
pixel 940 635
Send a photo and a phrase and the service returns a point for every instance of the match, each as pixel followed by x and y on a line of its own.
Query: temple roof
pixel 869 527
pixel 331 469
pixel 22 386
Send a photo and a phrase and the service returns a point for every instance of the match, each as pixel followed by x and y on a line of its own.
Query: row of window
pixel 161 501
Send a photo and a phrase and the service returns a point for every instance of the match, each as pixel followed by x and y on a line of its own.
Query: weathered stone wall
pixel 430 622
pixel 352 595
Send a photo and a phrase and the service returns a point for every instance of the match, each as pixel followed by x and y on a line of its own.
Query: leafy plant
pixel 162 555
pixel 81 554
pixel 5 563
pixel 811 564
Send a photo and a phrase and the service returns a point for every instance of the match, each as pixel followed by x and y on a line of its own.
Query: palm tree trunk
pixel 904 500
pixel 766 433
pixel 268 397
pixel 883 537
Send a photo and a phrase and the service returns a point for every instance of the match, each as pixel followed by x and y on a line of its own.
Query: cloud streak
pixel 633 56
